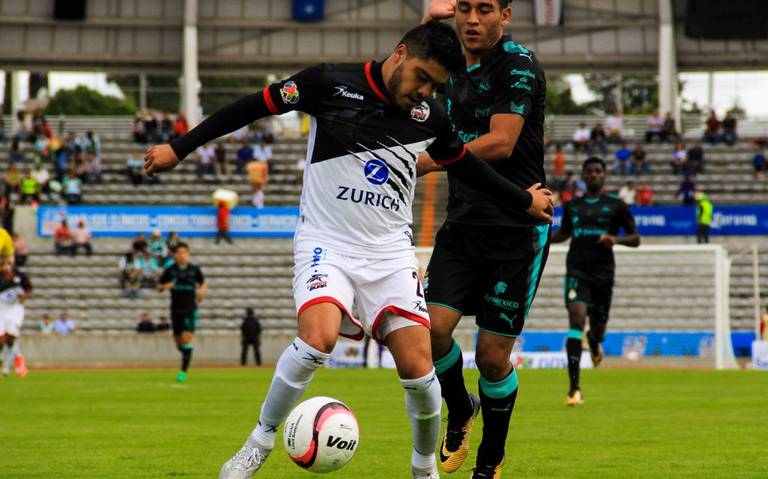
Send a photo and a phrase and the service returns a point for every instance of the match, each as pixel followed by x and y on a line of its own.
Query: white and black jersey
pixel 361 158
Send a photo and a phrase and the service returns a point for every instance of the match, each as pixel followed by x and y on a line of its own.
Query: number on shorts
pixel 418 285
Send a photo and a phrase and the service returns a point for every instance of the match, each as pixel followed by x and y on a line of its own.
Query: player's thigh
pixel 411 351
pixel 390 297
pixel 451 278
pixel 600 307
pixel 324 295
pixel 511 284
pixel 578 297
pixel 492 355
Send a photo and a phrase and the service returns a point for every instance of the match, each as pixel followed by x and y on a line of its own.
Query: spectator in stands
pixel 266 127
pixel 163 326
pixel 257 176
pixel 16 155
pixel 151 127
pixel 654 128
pixel 166 127
pixel 558 164
pixel 251 336
pixel 680 160
pixel 63 241
pixel 82 237
pixel 598 139
pixel 639 161
pixel 245 155
pixel 205 165
pixel 65 326
pixel 180 126
pixel 139 130
pixel 570 188
pixel 623 156
pixel 172 241
pixel 729 129
pixel 73 189
pixel 686 190
pixel 614 124
pixel 221 159
pixel 759 163
pixel 46 326
pixel 644 195
pixel 695 163
pixel 91 170
pixel 581 137
pixel 263 153
pixel 703 216
pixel 712 130
pixel 222 223
pixel 41 175
pixel 30 189
pixel 669 129
pixel 41 148
pixel 135 169
pixel 627 193
pixel 129 273
pixel 157 248
pixel 140 243
pixel 21 250
pixel 145 324
pixel 12 180
pixel 2 126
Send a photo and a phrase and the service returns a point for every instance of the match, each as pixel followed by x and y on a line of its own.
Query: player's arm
pixel 439 10
pixel 566 227
pixel 630 238
pixel 26 286
pixel 497 144
pixel 165 281
pixel 298 92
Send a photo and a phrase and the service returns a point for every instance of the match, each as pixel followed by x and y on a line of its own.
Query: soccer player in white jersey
pixel 354 244
pixel 15 288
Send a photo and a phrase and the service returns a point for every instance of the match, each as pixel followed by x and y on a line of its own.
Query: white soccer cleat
pixel 245 463
pixel 430 473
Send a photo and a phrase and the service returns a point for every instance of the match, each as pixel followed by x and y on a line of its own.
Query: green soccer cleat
pixel 181 377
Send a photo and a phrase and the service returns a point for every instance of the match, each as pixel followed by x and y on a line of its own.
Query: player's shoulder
pixel 509 52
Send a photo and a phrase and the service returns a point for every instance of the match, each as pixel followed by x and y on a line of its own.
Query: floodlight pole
pixel 190 83
pixel 668 63
pixel 15 100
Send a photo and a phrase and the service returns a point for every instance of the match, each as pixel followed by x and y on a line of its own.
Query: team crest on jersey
pixel 290 93
pixel 420 112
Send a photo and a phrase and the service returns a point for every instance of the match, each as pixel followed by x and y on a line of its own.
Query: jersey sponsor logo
pixel 317 255
pixel 525 73
pixel 483 112
pixel 352 95
pixel 376 172
pixel 317 285
pixel 522 84
pixel 290 93
pixel 467 137
pixel 368 198
pixel 420 112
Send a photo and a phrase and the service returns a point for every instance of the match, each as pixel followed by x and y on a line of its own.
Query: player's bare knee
pixel 319 341
pixel 494 365
pixel 441 345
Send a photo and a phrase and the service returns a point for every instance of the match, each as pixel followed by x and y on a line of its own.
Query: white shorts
pixel 11 318
pixel 386 293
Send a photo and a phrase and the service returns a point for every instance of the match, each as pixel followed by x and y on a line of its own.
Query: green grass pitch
pixel 140 424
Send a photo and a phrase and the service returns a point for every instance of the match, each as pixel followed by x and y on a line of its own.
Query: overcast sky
pixel 746 88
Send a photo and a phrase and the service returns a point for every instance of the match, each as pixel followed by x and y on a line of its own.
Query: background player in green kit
pixel 593 222
pixel 188 287
pixel 488 256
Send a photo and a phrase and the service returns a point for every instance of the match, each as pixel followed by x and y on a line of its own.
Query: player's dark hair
pixel 436 41
pixel 504 3
pixel 593 159
pixel 179 245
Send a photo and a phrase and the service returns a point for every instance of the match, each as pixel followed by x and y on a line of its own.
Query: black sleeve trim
pixel 481 176
pixel 230 118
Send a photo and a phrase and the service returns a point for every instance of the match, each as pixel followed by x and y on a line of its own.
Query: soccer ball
pixel 321 434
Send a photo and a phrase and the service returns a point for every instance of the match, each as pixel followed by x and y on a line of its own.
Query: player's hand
pixel 160 158
pixel 607 240
pixel 439 10
pixel 425 164
pixel 200 297
pixel 542 206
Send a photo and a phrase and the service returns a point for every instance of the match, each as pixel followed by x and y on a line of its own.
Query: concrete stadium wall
pixel 155 349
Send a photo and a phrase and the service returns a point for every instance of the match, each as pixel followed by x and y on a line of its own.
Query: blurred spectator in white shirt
pixel 614 125
pixel 82 237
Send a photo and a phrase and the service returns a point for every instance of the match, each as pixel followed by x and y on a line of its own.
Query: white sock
pixel 424 404
pixel 293 373
pixel 8 357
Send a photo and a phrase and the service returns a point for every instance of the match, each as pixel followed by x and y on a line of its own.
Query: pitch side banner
pixel 548 12
pixel 188 221
pixel 681 220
